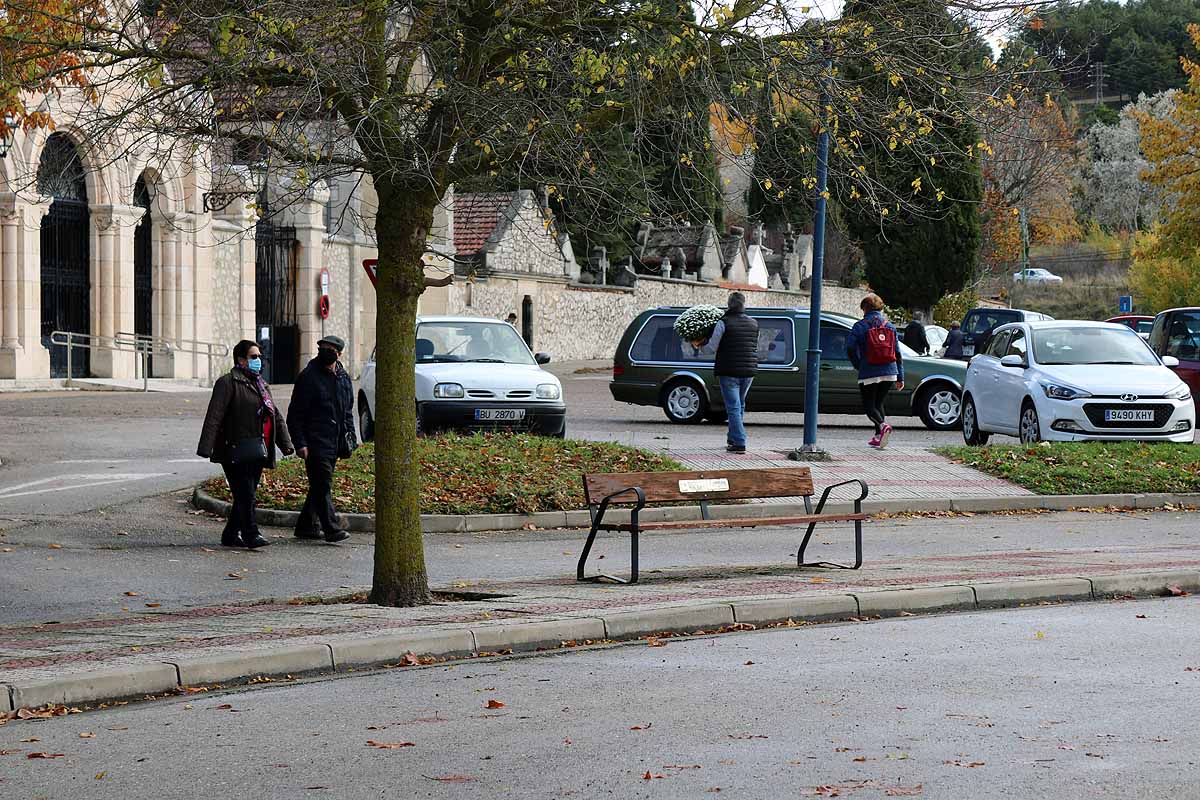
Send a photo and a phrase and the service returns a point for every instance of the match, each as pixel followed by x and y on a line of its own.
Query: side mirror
pixel 1013 361
pixel 1170 361
pixel 541 358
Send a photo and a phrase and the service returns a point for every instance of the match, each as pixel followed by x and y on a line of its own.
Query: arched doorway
pixel 143 269
pixel 66 283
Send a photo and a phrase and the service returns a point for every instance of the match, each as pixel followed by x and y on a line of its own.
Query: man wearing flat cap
pixel 320 420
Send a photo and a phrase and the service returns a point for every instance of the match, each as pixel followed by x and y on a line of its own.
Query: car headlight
pixel 1180 392
pixel 1059 392
pixel 450 390
pixel 548 391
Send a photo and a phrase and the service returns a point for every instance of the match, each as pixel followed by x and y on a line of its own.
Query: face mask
pixel 326 357
pixel 254 365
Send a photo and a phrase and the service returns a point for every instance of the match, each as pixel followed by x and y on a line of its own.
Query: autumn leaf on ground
pixel 233 576
pixel 390 745
pixel 410 660
pixel 654 642
pixel 223 707
pixel 46 755
pixel 494 704
pixel 86 735
pixel 960 763
pixel 747 736
pixel 8 752
pixel 30 740
pixel 451 778
pixel 1176 591
pixel 645 727
pixel 55 547
pixel 132 594
pixel 905 791
pixel 648 776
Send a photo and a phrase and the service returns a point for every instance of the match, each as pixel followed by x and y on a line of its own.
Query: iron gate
pixel 143 271
pixel 66 285
pixel 275 301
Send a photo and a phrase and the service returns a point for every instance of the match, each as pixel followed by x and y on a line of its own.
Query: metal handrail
pixel 141 344
pixel 210 350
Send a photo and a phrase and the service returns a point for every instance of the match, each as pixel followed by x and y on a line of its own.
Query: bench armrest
pixel 857 500
pixel 636 490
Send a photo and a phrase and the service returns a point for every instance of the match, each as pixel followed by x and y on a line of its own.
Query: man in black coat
pixel 735 342
pixel 914 335
pixel 321 421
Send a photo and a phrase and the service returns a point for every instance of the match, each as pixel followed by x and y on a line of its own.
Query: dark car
pixel 979 323
pixel 654 367
pixel 1176 334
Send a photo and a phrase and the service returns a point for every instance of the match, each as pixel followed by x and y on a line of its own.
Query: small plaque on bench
pixel 708 485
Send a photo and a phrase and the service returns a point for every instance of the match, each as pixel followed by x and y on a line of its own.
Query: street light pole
pixel 812 371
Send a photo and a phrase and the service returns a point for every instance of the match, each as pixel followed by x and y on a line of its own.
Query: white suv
pixel 1074 381
pixel 475 374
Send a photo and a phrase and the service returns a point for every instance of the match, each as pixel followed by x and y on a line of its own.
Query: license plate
pixel 1128 415
pixel 968 349
pixel 499 414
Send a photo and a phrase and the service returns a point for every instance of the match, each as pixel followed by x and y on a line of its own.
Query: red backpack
pixel 881 344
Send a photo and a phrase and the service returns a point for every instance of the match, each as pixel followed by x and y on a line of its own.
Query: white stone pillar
pixel 185 282
pixel 21 286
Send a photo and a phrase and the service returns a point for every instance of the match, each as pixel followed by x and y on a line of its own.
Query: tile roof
pixel 691 239
pixel 476 216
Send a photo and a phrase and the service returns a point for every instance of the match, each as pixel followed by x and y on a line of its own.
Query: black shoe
pixel 255 541
pixel 307 534
pixel 336 536
pixel 231 539
pixel 735 448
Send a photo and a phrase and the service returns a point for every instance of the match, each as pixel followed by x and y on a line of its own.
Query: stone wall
pixel 572 322
pixel 226 285
pixel 336 259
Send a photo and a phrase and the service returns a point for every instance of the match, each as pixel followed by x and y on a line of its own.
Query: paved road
pixel 1081 701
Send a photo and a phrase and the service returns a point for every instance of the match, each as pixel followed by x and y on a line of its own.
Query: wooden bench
pixel 639 488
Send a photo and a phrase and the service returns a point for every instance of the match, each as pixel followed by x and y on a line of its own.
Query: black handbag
pixel 248 450
pixel 347 444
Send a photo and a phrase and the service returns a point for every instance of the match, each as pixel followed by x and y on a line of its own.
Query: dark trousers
pixel 873 395
pixel 243 484
pixel 318 507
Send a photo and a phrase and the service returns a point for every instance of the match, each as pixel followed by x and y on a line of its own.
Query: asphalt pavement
pixel 1079 701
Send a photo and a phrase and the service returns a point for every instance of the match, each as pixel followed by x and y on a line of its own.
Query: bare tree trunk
pixel 401 225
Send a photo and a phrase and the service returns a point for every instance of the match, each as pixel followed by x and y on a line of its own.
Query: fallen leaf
pixel 494 704
pixel 132 594
pixel 654 642
pixel 233 576
pixel 153 605
pixel 30 740
pixel 748 664
pixel 54 547
pixel 390 745
pixel 8 752
pixel 86 735
pixel 958 763
pixel 905 791
pixel 410 660
pixel 1141 616
pixel 451 778
pixel 100 775
pixel 207 550
pixel 859 758
pixel 645 727
pixel 1176 591
pixel 907 614
pixel 46 755
pixel 648 776
pixel 747 736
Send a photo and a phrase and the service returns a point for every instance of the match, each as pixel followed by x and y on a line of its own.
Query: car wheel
pixel 940 407
pixel 972 435
pixel 684 402
pixel 1031 429
pixel 366 422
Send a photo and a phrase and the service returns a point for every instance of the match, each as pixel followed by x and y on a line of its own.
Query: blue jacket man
pixel 875 380
pixel 320 420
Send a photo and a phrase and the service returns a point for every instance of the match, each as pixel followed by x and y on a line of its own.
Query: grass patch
pixel 1088 467
pixel 481 473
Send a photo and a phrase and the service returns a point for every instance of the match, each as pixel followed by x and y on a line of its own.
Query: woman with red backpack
pixel 873 351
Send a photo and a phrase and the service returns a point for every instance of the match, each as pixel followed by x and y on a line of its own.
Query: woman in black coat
pixel 241 429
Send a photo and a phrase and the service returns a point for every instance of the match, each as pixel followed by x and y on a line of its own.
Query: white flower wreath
pixel 697 323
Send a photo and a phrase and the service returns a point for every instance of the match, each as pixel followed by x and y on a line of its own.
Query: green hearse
pixel 654 367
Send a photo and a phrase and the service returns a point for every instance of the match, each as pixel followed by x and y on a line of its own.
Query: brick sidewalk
pixel 895 473
pixel 31 653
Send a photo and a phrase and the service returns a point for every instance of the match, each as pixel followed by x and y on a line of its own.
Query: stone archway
pixel 65 253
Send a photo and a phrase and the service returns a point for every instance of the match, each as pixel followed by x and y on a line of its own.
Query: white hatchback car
pixel 1074 381
pixel 1035 275
pixel 474 374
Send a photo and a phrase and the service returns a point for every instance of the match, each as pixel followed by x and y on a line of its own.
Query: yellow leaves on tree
pixel 1166 269
pixel 35 63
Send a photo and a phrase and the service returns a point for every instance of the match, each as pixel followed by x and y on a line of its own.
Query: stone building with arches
pixel 100 241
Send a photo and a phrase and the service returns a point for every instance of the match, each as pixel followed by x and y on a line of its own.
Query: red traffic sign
pixel 369 266
pixel 323 306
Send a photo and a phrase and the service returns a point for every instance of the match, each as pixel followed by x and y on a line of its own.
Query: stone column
pixel 308 217
pixel 22 355
pixel 112 281
pixel 185 286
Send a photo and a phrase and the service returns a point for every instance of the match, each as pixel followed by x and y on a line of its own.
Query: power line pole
pixel 1098 70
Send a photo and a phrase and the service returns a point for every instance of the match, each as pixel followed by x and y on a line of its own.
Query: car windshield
pixel 482 342
pixel 1062 346
pixel 1183 335
pixel 978 322
pixel 1145 325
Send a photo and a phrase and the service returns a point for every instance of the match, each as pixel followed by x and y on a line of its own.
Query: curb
pixel 474 523
pixel 364 652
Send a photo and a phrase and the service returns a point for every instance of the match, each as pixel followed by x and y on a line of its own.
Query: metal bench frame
pixel 638 498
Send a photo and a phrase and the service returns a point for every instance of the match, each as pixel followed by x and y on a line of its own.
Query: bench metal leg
pixel 587 548
pixel 858 549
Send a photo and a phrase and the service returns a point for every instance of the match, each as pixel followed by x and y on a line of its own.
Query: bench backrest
pixel 733 484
